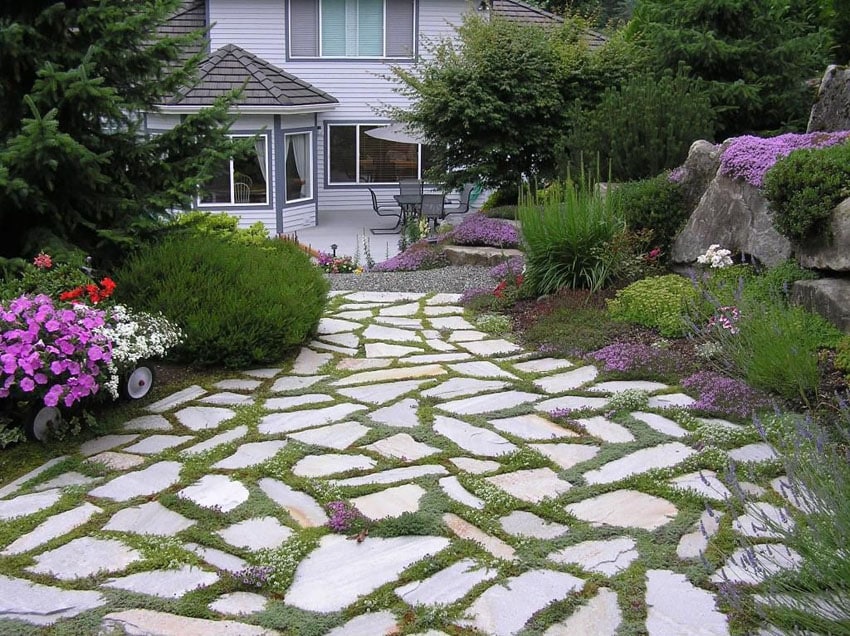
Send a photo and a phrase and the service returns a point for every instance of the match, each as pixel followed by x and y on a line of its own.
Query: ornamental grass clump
pixel 480 230
pixel 723 396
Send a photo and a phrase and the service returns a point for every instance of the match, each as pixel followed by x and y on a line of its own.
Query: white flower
pixel 715 257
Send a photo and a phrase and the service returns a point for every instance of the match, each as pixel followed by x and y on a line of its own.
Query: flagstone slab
pixel 606 430
pixel 641 461
pixel 600 616
pixel 495 347
pixel 756 453
pixel 718 422
pixel 336 436
pixel 442 310
pixel 465 530
pixel 443 299
pixel 335 325
pixel 454 490
pixel 219 440
pixel 446 586
pixel 763 521
pixel 670 400
pixel 202 418
pixel 392 502
pixel 703 482
pixel 65 480
pixel 567 381
pixel 467 335
pixel 432 334
pixel 353 569
pixel 364 304
pixel 402 446
pixel 308 418
pixel 216 492
pixel 407 309
pixel 381 393
pixel 284 403
pixel 693 544
pixel 660 423
pixel 15 485
pixel 104 443
pixel 386 375
pixel 141 483
pixel 381 350
pixel 618 386
pixel 147 423
pixel 84 557
pixel 475 466
pixel 392 334
pixel 154 444
pixel 256 534
pixel 453 323
pixel 439 345
pixel 343 339
pixel 543 365
pixel 176 399
pixel 458 387
pixel 306 512
pixel 116 461
pixel 532 485
pixel 755 564
pixel 264 374
pixel 331 464
pixel 401 323
pixel 42 604
pixel 488 403
pixel 474 439
pixel 239 603
pixel 165 583
pixel 318 344
pixel 402 414
pixel 607 556
pixel 217 558
pixel 624 508
pixel 354 314
pixel 567 455
pixel 251 454
pixel 675 606
pixel 527 524
pixel 52 528
pixel 363 364
pixel 505 608
pixel 572 403
pixel 430 358
pixel 372 624
pixel 531 427
pixel 151 518
pixel 150 622
pixel 481 369
pixel 238 384
pixel 391 476
pixel 309 362
pixel 795 494
pixel 290 383
pixel 227 398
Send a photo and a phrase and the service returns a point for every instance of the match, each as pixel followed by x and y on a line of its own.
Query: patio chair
pixel 433 210
pixel 386 208
pixel 462 205
pixel 241 192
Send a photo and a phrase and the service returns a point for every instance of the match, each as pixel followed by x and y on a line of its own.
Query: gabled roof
pixel 191 16
pixel 263 85
pixel 518 11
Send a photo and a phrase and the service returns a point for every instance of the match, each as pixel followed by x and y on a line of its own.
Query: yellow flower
pixel 359 270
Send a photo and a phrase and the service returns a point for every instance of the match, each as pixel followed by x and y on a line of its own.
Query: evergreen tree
pixel 76 170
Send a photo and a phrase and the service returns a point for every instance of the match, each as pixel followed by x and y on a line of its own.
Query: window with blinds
pixel 351 28
pixel 355 157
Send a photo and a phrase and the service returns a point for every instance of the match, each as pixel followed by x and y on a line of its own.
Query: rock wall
pixel 831 111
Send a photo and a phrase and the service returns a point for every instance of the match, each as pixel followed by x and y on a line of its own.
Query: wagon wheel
pixel 42 422
pixel 138 382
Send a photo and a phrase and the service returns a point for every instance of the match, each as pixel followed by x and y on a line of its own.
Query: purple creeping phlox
pixel 720 395
pixel 420 255
pixel 341 516
pixel 633 356
pixel 478 229
pixel 508 269
pixel 749 158
pixel 55 354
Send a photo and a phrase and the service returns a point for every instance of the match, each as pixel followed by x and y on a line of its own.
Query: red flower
pixel 72 294
pixel 500 289
pixel 43 261
pixel 519 280
pixel 107 287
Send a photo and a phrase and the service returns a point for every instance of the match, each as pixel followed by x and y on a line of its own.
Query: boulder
pixel 484 256
pixel 735 215
pixel 831 111
pixel 699 170
pixel 830 253
pixel 829 297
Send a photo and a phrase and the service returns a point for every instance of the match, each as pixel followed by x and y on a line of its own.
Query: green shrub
pixel 842 356
pixel 563 235
pixel 644 126
pixel 804 187
pixel 237 304
pixel 656 204
pixel 773 285
pixel 221 224
pixel 658 302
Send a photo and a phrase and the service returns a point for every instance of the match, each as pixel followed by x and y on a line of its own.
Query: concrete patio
pixel 346 229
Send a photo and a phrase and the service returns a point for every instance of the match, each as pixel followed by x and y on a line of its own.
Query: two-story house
pixel 313 72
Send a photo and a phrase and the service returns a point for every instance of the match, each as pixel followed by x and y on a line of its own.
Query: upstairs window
pixel 351 28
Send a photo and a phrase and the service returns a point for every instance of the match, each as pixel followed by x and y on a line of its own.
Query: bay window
pixel 299 166
pixel 241 180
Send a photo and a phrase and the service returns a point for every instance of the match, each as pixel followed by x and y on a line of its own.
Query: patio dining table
pixel 410 205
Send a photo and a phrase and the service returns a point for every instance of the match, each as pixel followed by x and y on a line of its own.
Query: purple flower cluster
pixel 253 575
pixel 472 293
pixel 749 158
pixel 677 175
pixel 51 353
pixel 420 255
pixel 720 395
pixel 508 269
pixel 478 229
pixel 632 356
pixel 342 516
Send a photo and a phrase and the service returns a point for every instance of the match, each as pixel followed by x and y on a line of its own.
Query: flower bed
pixel 480 230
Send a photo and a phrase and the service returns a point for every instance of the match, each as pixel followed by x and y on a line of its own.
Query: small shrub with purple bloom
pixel 637 358
pixel 343 517
pixel 481 230
pixel 418 256
pixel 510 268
pixel 719 395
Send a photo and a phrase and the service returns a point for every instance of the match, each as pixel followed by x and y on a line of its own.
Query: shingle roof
pixel 262 83
pixel 191 16
pixel 518 11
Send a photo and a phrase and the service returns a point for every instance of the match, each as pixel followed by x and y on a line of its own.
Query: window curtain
pixel 260 149
pixel 299 146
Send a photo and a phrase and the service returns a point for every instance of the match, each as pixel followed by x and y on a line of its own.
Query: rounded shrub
pixel 658 302
pixel 237 304
pixel 656 204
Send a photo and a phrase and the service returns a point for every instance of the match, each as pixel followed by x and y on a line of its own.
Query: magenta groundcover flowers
pixel 53 354
pixel 478 229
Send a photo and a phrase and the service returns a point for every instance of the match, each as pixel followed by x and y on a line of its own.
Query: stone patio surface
pixel 486 514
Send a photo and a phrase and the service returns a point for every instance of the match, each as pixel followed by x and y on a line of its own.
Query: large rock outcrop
pixel 830 253
pixel 829 297
pixel 831 111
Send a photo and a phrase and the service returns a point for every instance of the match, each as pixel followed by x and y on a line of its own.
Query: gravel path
pixel 454 279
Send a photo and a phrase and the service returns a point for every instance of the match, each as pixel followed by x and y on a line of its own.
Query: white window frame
pixel 310 163
pixel 357 181
pixel 232 202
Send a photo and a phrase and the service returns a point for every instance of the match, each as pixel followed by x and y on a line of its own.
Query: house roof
pixel 191 16
pixel 518 11
pixel 263 84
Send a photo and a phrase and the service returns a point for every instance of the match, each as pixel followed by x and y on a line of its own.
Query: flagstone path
pixel 487 515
